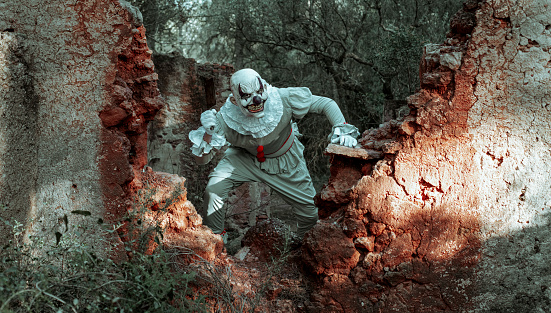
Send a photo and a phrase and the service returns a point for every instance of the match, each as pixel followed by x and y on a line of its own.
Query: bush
pixel 67 276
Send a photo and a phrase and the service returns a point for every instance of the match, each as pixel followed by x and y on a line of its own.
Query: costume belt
pixel 261 157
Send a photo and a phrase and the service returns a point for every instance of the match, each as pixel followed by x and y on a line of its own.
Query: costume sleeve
pixel 333 113
pixel 302 102
pixel 329 108
pixel 203 150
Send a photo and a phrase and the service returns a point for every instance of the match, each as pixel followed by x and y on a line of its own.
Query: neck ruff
pixel 252 126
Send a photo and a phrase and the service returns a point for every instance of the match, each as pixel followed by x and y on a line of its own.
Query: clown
pixel 257 122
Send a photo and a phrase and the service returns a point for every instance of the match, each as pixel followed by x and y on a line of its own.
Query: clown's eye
pixel 261 90
pixel 243 95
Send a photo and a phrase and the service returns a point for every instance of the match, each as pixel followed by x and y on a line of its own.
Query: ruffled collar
pixel 252 126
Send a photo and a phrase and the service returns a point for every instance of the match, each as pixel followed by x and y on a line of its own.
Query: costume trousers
pixel 238 167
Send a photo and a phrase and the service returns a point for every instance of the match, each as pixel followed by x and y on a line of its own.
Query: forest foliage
pixel 362 53
pixel 358 52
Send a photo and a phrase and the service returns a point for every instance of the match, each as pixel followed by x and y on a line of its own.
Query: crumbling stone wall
pixel 77 90
pixel 449 210
pixel 18 130
pixel 189 89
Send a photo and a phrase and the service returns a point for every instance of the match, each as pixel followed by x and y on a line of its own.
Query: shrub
pixel 67 276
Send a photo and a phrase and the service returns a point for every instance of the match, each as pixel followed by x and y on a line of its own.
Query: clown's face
pixel 249 92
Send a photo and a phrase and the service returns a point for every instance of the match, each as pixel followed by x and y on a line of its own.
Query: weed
pixel 224 292
pixel 67 276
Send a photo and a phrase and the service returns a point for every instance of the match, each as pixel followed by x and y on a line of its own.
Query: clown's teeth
pixel 255 108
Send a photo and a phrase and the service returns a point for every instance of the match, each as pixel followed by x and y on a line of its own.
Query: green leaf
pixel 82 212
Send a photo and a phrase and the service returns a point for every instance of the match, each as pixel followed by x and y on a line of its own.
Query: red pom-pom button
pixel 260 154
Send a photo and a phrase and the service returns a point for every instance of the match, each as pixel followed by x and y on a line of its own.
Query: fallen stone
pixel 268 239
pixel 367 243
pixel 358 153
pixel 322 256
pixel 242 253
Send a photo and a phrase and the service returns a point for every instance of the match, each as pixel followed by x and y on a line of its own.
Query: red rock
pixel 354 228
pixel 113 116
pixel 322 256
pixel 376 228
pixel 267 239
pixel 367 243
pixel 399 250
pixel 439 79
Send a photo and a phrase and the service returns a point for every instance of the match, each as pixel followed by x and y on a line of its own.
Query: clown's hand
pixel 346 140
pixel 208 120
pixel 205 138
pixel 201 145
pixel 344 135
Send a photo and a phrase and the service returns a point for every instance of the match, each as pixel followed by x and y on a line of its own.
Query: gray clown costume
pixel 264 149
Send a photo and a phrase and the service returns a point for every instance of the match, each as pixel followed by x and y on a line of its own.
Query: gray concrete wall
pixel 511 132
pixel 58 62
pixel 18 132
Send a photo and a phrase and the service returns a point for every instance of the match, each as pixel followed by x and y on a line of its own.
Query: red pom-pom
pixel 260 154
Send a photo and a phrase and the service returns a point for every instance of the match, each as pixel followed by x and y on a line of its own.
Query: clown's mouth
pixel 256 108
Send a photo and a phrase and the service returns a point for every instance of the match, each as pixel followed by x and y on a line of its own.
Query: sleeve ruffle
pixel 201 147
pixel 342 130
pixel 296 132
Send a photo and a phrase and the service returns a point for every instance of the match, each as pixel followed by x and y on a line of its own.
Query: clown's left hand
pixel 346 140
pixel 343 140
pixel 344 135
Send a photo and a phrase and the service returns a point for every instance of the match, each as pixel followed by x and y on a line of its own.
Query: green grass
pixel 67 276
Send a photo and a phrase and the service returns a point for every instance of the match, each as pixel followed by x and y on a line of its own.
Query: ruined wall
pixel 453 214
pixel 18 131
pixel 511 135
pixel 444 211
pixel 77 88
pixel 189 89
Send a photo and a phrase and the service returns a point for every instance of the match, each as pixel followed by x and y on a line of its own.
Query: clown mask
pixel 249 92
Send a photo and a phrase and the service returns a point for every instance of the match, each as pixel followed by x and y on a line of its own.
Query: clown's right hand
pixel 208 120
pixel 205 138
